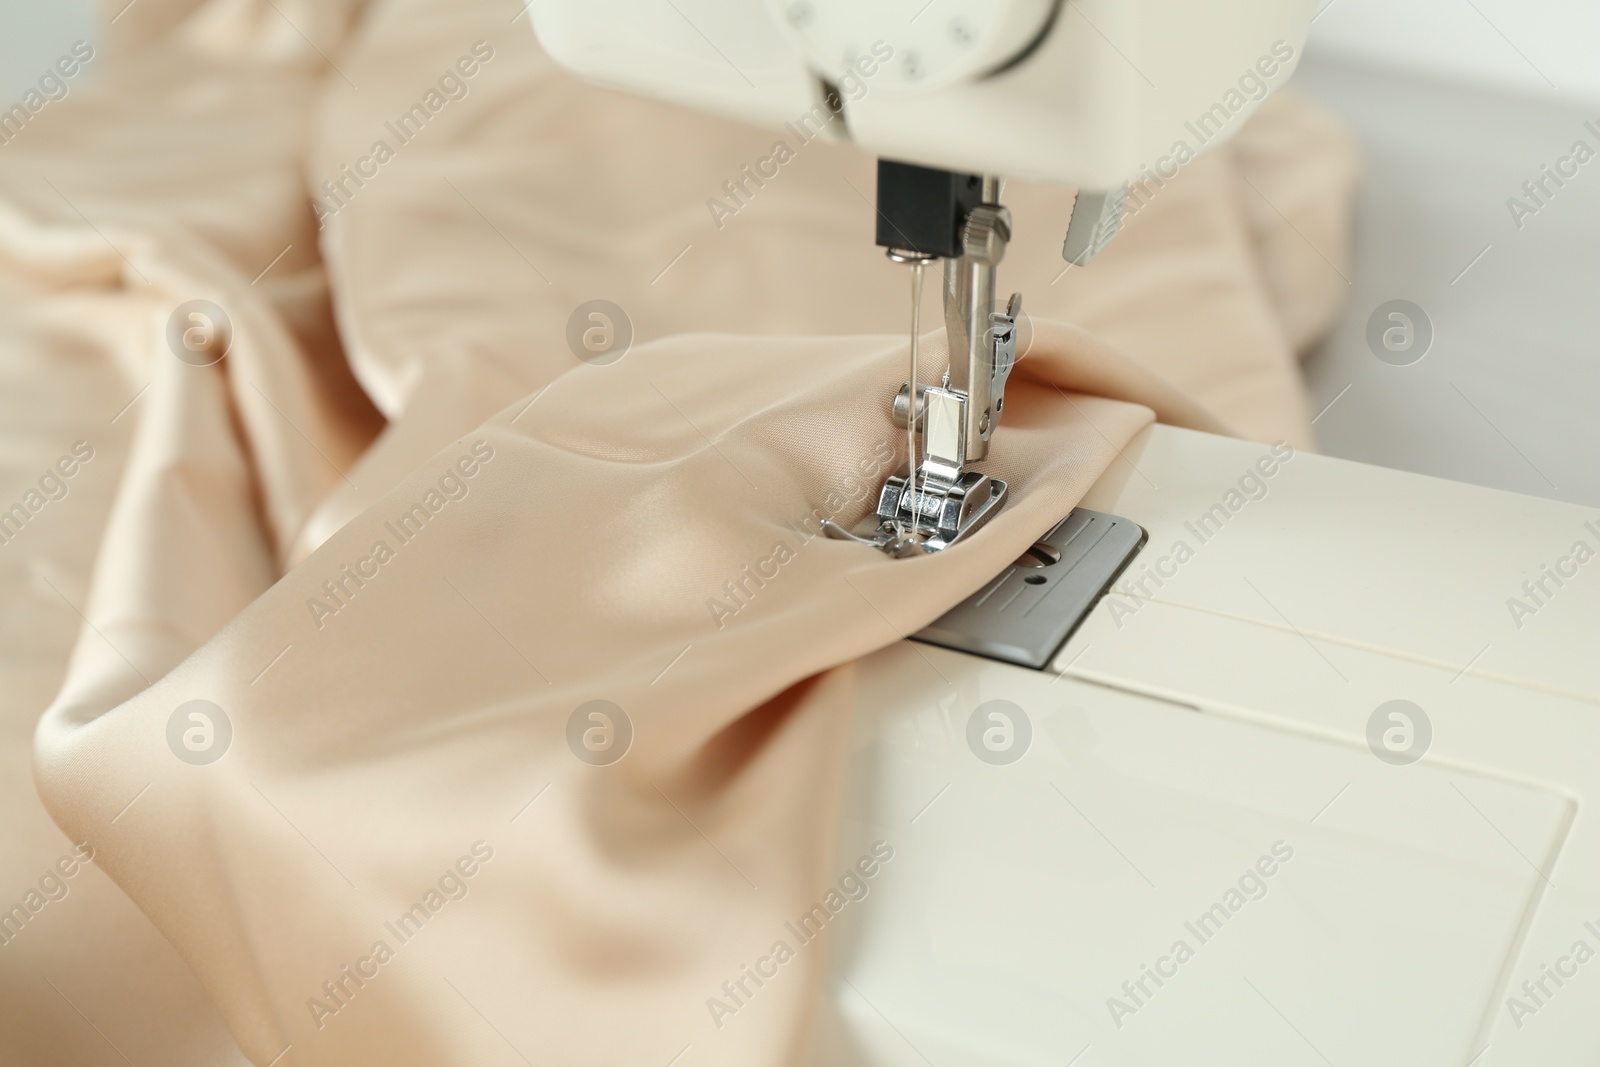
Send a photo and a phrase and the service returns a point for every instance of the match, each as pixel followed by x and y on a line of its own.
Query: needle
pixel 911 396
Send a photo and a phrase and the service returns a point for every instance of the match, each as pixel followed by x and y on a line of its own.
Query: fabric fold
pixel 643 543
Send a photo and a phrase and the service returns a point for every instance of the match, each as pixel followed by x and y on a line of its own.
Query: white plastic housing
pixel 1187 727
pixel 1108 88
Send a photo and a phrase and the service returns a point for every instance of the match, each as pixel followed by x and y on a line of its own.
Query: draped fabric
pixel 315 602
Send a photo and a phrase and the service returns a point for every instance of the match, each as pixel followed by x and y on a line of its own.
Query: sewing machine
pixel 1256 758
pixel 951 97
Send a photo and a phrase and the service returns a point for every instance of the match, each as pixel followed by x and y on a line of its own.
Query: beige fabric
pixel 606 511
pixel 1291 158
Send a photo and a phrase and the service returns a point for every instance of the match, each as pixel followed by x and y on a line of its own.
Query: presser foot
pixel 930 519
pixel 934 500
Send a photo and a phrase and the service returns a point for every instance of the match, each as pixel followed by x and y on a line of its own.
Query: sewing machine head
pixel 949 95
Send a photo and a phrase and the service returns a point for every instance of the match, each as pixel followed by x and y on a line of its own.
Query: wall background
pixel 33 33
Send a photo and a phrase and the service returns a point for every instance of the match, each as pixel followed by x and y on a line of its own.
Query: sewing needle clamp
pixel 932 502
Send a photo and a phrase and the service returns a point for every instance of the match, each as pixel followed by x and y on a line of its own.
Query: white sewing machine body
pixel 1200 774
pixel 1032 89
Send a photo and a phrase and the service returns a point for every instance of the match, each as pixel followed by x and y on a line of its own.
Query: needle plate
pixel 1030 609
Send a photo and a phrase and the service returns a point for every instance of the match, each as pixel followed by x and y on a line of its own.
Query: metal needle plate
pixel 1030 609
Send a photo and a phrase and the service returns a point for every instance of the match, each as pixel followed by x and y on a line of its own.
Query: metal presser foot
pixel 931 503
